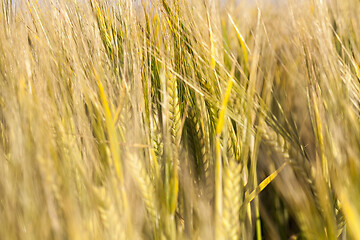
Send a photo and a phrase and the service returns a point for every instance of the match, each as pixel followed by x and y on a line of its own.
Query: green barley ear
pixel 175 136
pixel 157 142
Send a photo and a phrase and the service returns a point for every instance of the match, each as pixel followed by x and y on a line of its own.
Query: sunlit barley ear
pixel 109 215
pixel 146 188
pixel 232 199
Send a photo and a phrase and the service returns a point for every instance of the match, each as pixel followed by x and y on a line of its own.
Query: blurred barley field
pixel 177 119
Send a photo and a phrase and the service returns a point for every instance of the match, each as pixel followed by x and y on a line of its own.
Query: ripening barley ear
pixel 232 199
pixel 109 214
pixel 147 191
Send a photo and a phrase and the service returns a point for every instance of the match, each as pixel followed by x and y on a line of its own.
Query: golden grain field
pixel 178 119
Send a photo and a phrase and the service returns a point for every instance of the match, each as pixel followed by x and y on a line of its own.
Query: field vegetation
pixel 177 119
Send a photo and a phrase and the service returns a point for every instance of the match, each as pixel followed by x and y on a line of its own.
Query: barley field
pixel 179 119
